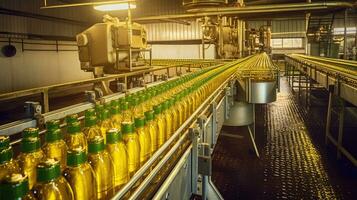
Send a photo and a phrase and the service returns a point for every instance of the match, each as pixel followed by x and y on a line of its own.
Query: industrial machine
pixel 257 40
pixel 223 32
pixel 112 46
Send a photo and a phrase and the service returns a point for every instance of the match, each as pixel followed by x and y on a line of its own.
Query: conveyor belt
pixel 336 75
pixel 212 81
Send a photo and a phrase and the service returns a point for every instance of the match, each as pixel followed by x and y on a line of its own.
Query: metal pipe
pixel 251 10
pixel 84 4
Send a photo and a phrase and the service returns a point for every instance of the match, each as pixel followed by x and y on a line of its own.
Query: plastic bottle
pixel 105 123
pixel 80 175
pixel 7 164
pixel 126 112
pixel 91 129
pixel 174 115
pixel 55 147
pixel 75 138
pixel 168 119
pixel 150 127
pixel 144 139
pixel 117 117
pixel 15 186
pixel 136 108
pixel 51 185
pixel 117 151
pixel 132 144
pixel 160 120
pixel 102 165
pixel 31 154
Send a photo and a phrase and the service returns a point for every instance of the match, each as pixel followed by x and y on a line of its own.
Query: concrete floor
pixel 294 163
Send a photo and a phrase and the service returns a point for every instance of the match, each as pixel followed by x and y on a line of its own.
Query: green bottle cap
pixel 113 136
pixel 171 102
pixel 107 105
pixel 71 118
pixel 165 105
pixel 127 127
pixel 157 109
pixel 114 103
pixel 96 144
pixel 98 109
pixel 30 132
pixel 4 142
pixel 48 170
pixel 74 128
pixel 53 135
pixel 135 102
pixel 115 110
pixel 6 155
pixel 149 115
pixel 104 115
pixel 14 186
pixel 141 98
pixel 139 122
pixel 53 124
pixel 30 144
pixel 89 113
pixel 76 157
pixel 125 105
pixel 90 121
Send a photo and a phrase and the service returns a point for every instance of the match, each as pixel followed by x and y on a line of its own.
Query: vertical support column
pixel 299 86
pixel 345 35
pixel 329 111
pixel 341 120
pixel 194 132
pixel 45 101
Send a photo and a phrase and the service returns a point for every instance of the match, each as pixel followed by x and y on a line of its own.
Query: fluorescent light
pixel 112 7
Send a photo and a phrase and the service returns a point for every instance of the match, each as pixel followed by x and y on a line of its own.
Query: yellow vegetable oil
pixel 168 119
pixel 105 123
pixel 150 128
pixel 131 140
pixel 7 164
pixel 136 108
pixel 75 138
pixel 91 129
pixel 55 147
pixel 31 154
pixel 117 151
pixel 144 139
pixel 80 175
pixel 181 109
pixel 126 112
pixel 15 186
pixel 30 132
pixel 103 167
pixel 116 117
pixel 174 115
pixel 160 120
pixel 51 185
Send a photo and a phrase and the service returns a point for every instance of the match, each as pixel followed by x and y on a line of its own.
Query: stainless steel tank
pixel 241 114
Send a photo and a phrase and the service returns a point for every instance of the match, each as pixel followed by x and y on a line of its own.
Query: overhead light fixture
pixel 114 7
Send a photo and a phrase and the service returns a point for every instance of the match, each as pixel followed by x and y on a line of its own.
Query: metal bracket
pixel 121 87
pixel 34 110
pixel 204 159
pixel 91 96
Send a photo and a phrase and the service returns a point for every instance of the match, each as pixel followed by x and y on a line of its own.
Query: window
pixel 286 43
pixel 341 31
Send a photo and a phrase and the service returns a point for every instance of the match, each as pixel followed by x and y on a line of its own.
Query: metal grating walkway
pixel 292 164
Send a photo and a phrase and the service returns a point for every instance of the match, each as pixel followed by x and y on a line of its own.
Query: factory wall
pixel 31 69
